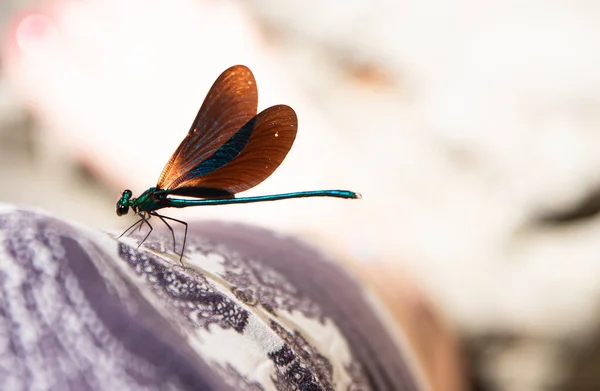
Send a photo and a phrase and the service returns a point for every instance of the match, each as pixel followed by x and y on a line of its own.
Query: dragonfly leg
pixel 144 219
pixel 184 235
pixel 132 226
pixel 170 229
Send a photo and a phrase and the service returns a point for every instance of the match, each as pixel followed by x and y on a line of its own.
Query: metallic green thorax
pixel 150 200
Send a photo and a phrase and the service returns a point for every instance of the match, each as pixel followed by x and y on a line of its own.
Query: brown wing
pixel 272 137
pixel 231 102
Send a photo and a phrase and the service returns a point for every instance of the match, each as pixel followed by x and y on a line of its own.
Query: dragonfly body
pixel 228 149
pixel 154 199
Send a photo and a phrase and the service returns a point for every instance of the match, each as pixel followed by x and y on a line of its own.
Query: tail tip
pixel 357 196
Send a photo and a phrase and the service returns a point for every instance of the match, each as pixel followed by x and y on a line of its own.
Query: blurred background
pixel 471 129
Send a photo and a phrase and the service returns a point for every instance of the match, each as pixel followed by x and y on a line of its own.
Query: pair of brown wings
pixel 230 105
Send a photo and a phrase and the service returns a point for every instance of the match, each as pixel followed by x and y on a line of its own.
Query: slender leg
pixel 184 235
pixel 145 220
pixel 170 229
pixel 131 226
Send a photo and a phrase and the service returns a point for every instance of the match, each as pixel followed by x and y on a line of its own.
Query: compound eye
pixel 122 209
pixel 127 193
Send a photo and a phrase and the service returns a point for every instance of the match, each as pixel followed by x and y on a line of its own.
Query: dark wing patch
pixel 273 132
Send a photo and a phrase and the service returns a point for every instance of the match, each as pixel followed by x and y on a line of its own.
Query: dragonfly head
pixel 124 203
